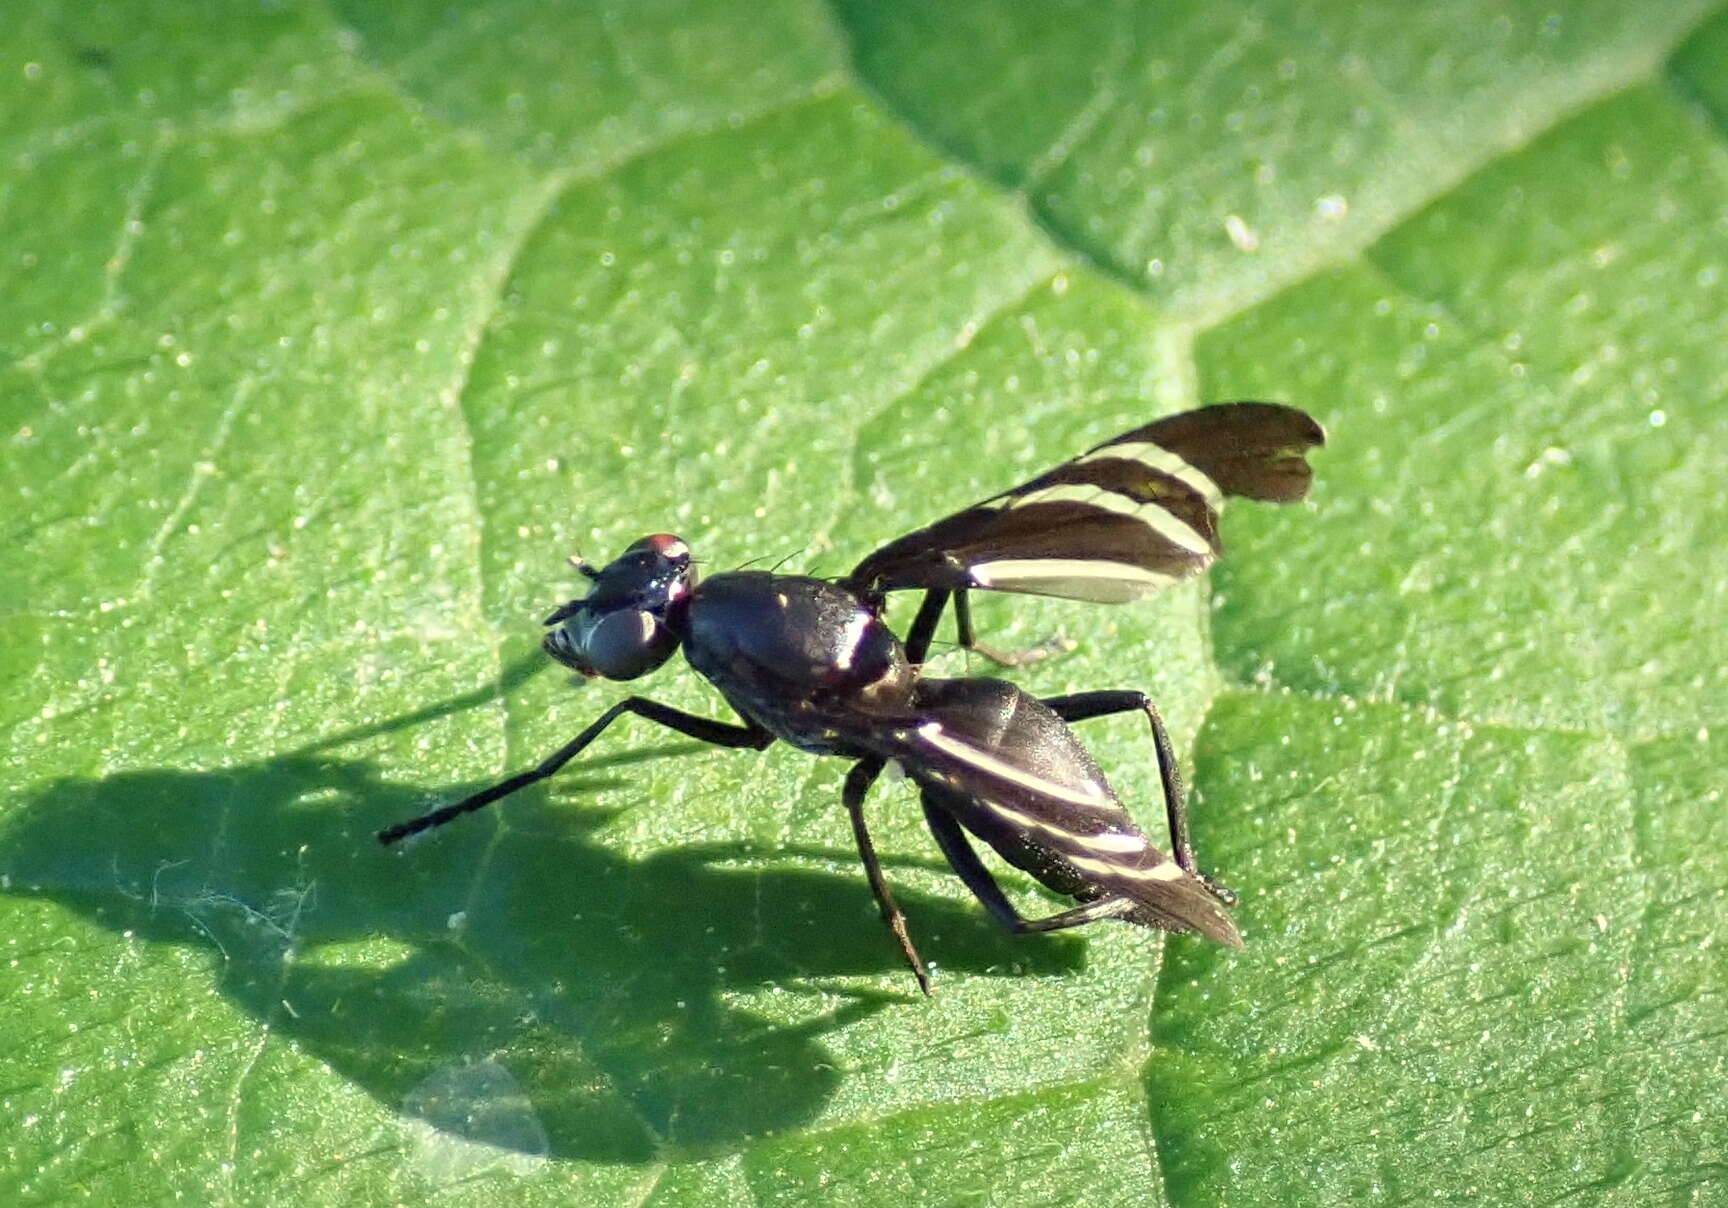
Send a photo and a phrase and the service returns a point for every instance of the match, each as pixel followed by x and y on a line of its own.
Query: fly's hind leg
pixel 1083 706
pixel 923 631
pixel 970 869
pixel 1002 658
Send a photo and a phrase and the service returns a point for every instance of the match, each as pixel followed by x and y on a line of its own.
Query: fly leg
pixel 1083 706
pixel 1002 658
pixel 971 870
pixel 720 733
pixel 923 631
pixel 858 782
pixel 935 603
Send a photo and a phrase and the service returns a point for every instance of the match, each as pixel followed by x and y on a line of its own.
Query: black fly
pixel 810 662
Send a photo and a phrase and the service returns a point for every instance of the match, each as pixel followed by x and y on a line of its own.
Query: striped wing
pixel 1055 818
pixel 1120 521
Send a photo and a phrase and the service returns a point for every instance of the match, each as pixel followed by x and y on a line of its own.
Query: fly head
pixel 619 630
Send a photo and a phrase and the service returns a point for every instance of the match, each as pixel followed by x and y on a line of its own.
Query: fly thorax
pixel 870 662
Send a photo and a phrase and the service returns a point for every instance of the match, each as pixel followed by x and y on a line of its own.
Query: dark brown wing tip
pixel 1278 471
pixel 1318 433
pixel 1289 429
pixel 1251 450
pixel 1307 432
pixel 1264 414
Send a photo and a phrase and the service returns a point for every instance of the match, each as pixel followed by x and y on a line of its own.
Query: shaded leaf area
pixel 350 951
pixel 329 329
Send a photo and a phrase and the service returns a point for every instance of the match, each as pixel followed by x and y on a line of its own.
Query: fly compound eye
pixel 627 643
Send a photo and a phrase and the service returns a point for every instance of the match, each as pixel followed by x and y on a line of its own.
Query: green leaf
pixel 326 331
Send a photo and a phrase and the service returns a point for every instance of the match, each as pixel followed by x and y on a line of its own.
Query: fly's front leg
pixel 858 782
pixel 1082 706
pixel 720 733
pixel 923 630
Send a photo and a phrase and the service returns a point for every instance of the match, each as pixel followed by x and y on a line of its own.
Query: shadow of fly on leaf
pixel 561 964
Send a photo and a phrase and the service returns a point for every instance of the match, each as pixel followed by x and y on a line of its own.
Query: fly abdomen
pixel 1009 770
